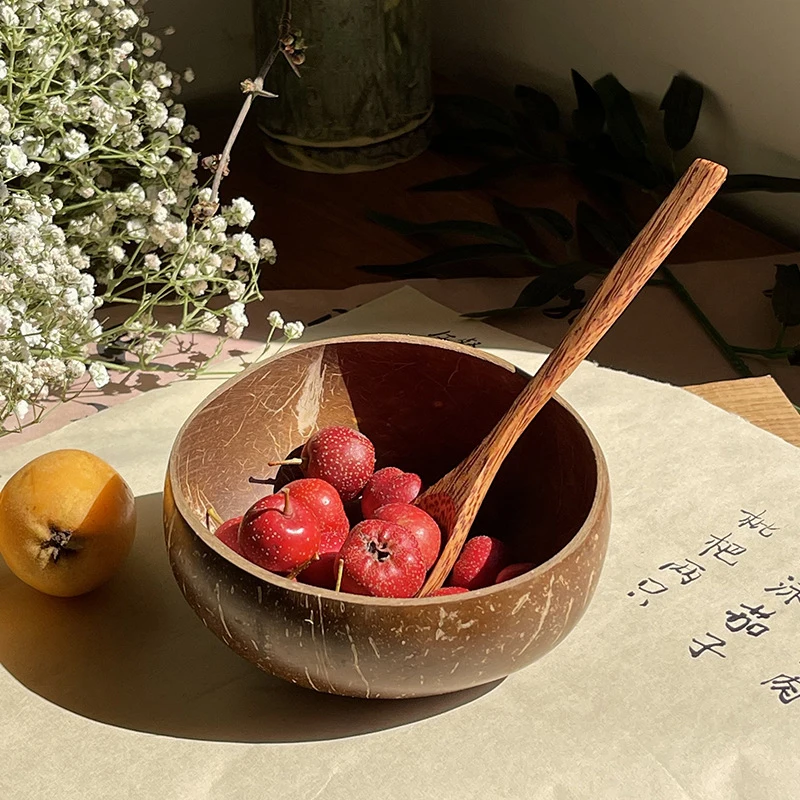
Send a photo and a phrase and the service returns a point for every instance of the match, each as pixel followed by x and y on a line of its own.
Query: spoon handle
pixel 635 267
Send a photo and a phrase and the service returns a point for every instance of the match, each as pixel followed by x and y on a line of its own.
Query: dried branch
pixel 292 48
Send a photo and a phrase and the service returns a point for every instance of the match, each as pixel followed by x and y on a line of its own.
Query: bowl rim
pixel 198 528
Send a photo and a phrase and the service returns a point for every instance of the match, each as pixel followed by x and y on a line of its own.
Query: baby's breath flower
pixel 217 224
pixel 209 323
pixel 190 134
pixel 240 213
pixel 150 347
pixel 21 409
pixel 98 374
pixel 14 158
pixel 126 18
pixel 267 251
pixel 293 330
pixel 74 145
pixel 236 314
pixel 275 319
pixel 116 253
pixel 244 246
pixel 236 290
pixel 83 106
pixel 167 197
pixel 75 369
pixel 6 320
pixel 174 126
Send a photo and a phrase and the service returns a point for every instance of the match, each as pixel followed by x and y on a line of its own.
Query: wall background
pixel 214 37
pixel 744 51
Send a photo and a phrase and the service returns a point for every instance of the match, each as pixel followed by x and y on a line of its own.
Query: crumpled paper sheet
pixel 124 693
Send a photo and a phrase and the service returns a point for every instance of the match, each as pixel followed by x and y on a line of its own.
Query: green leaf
pixel 539 107
pixel 453 255
pixel 477 179
pixel 590 116
pixel 622 120
pixel 552 283
pixel 760 183
pixel 786 294
pixel 575 301
pixel 681 106
pixel 552 221
pixel 483 230
pixel 543 289
pixel 613 238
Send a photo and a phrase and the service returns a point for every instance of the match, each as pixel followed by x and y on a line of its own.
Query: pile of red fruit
pixel 304 533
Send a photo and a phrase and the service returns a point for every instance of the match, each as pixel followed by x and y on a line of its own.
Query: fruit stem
pixel 286 509
pixel 285 463
pixel 250 515
pixel 253 479
pixel 211 514
pixel 339 576
pixel 297 570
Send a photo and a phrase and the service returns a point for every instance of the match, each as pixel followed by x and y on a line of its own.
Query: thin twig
pixel 258 87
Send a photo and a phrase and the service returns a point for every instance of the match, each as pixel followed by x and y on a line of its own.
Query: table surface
pixel 758 400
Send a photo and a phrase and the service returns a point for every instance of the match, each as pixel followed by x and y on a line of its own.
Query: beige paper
pixel 124 693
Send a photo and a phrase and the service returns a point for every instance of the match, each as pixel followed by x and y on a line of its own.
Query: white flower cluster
pixel 97 186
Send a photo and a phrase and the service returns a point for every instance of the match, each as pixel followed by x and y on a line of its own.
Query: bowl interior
pixel 423 403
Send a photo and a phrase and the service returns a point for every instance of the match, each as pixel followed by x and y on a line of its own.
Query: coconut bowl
pixel 425 404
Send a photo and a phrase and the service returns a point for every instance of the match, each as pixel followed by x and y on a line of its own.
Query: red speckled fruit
pixel 381 559
pixel 445 590
pixel 323 501
pixel 479 563
pixel 389 485
pixel 228 533
pixel 341 456
pixel 279 539
pixel 321 572
pixel 420 523
pixel 513 571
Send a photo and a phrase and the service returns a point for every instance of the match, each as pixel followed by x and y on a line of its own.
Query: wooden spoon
pixel 454 500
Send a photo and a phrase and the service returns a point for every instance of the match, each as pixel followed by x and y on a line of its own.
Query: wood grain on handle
pixel 455 499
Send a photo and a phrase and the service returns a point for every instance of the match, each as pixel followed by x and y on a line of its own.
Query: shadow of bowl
pixel 133 655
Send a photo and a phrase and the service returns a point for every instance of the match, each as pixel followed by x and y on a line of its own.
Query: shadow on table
pixel 134 655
